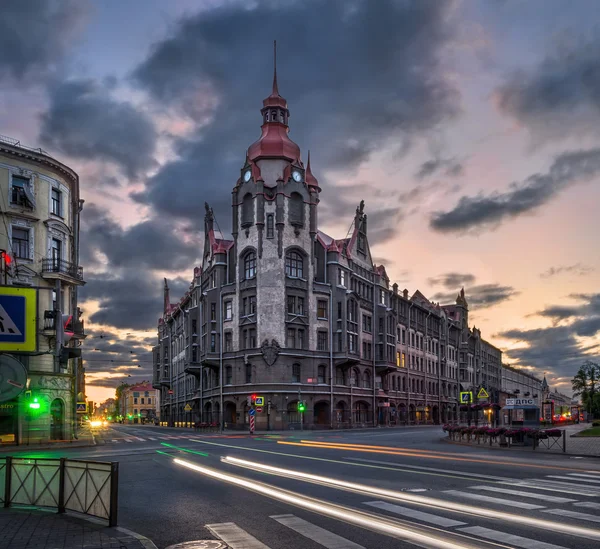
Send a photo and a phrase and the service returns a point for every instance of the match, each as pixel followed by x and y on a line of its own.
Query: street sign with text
pixel 520 402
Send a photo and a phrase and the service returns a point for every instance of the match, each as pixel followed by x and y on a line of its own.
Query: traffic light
pixel 301 406
pixel 249 400
pixel 34 404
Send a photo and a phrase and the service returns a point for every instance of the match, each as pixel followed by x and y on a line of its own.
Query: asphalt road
pixel 347 490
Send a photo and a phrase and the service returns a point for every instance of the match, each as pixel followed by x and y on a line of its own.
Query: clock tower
pixel 275 222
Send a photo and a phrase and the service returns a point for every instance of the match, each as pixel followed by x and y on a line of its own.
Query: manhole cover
pixel 199 544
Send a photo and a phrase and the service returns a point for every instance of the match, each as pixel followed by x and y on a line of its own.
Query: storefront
pixel 9 422
pixel 521 412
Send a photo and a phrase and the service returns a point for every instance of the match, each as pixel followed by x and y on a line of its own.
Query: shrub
pixel 596 423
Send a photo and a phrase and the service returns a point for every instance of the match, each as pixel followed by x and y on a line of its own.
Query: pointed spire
pixel 311 180
pixel 275 88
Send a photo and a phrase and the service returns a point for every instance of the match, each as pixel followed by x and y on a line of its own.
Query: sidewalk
pixel 33 528
pixel 86 439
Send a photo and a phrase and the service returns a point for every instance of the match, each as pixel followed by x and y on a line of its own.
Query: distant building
pixel 285 311
pixel 139 403
pixel 39 239
pixel 519 383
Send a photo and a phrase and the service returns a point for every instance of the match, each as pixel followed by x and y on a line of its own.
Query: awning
pixel 522 407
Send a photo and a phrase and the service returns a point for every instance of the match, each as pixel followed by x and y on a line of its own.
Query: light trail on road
pixel 412 533
pixel 389 450
pixel 582 532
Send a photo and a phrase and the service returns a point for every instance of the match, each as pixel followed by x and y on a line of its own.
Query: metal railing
pixel 89 487
pixel 62 266
pixel 17 143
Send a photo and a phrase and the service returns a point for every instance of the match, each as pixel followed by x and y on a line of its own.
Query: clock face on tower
pixel 297 176
pixel 247 176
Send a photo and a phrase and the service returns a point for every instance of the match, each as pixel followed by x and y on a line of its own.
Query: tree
pixel 586 384
pixel 118 393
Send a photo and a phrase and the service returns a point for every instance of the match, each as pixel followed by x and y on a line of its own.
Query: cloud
pixel 151 244
pixel 452 280
pixel 577 269
pixel 483 212
pixel 449 168
pixel 130 299
pixel 481 296
pixel 35 35
pixel 559 97
pixel 84 122
pixel 562 347
pixel 368 70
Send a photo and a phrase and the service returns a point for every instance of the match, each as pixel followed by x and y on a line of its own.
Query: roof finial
pixel 308 161
pixel 275 89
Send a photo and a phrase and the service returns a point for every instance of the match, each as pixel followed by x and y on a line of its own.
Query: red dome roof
pixel 274 142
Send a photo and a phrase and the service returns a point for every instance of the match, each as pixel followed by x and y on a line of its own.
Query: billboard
pixel 18 319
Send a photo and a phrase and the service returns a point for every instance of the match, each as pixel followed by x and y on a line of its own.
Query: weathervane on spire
pixel 275 88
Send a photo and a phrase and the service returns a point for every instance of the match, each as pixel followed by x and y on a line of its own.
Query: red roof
pixel 274 142
pixel 311 180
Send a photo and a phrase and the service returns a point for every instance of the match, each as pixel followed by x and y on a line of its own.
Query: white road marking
pixel 114 440
pixel 316 533
pixel 127 440
pixel 140 438
pixel 545 497
pixel 151 438
pixel 582 475
pixel 552 486
pixel 499 501
pixel 510 539
pixel 413 513
pixel 234 536
pixel 588 504
pixel 573 514
pixel 574 479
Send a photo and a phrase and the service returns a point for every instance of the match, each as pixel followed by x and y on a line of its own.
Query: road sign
pixel 259 401
pixel 482 393
pixel 187 408
pixel 81 407
pixel 252 412
pixel 18 319
pixel 466 397
pixel 521 402
pixel 259 409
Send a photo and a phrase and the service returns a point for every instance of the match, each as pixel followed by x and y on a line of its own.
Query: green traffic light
pixel 109 418
pixel 301 407
pixel 35 404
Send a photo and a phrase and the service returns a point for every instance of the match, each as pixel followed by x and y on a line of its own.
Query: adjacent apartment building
pixel 39 238
pixel 140 403
pixel 287 312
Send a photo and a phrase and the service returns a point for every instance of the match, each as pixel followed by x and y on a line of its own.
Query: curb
pixel 532 452
pixel 146 542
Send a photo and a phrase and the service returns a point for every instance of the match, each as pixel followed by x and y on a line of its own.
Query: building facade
pixel 39 237
pixel 518 383
pixel 140 403
pixel 285 311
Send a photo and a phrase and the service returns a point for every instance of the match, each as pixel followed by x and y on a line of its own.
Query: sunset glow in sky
pixel 471 130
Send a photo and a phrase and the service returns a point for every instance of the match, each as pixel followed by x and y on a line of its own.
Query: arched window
pixel 249 265
pixel 296 209
pixel 247 210
pixel 355 378
pixel 294 264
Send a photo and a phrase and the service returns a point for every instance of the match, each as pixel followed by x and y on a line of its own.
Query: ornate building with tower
pixel 285 311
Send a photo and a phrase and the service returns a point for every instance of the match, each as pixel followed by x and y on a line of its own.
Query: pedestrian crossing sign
pixel 18 319
pixel 482 393
pixel 466 397
pixel 187 408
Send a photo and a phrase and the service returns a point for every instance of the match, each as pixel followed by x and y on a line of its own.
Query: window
pixel 135 411
pixel 248 373
pixel 367 323
pixel 321 376
pixel 228 342
pixel 341 277
pixel 56 252
pixel 403 336
pixel 398 359
pixel 322 309
pixel 294 265
pixel 295 305
pixel 228 375
pixel 213 311
pixel 367 349
pixel 20 243
pixel 367 380
pixel 213 343
pixel 338 337
pixel 300 339
pixel 296 209
pixel 20 192
pixel 149 400
pixel 403 363
pixel 249 305
pixel 270 226
pixel 247 210
pixel 252 338
pixel 135 400
pixel 56 202
pixel 300 306
pixel 194 326
pixel 250 265
pixel 339 315
pixel 382 297
pixel 143 400
pixel 295 373
pixel 228 310
pixel 291 338
pixel 322 341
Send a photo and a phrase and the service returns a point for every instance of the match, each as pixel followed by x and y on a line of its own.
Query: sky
pixel 470 128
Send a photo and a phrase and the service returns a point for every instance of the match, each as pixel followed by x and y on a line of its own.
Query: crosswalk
pixel 134 439
pixel 537 495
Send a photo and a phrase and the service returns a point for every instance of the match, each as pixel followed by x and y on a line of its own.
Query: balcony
pixel 74 328
pixel 59 268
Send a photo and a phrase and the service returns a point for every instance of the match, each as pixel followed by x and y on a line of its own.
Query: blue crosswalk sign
pixel 18 319
pixel 12 318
